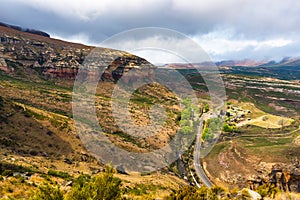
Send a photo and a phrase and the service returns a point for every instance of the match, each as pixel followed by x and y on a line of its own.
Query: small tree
pixel 187 130
pixel 206 108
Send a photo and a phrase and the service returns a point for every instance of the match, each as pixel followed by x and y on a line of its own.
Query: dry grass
pixel 287 196
pixel 271 121
pixel 263 119
pixel 157 184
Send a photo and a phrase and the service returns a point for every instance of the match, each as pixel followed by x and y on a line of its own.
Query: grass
pixel 218 148
pixel 255 142
pixel 57 120
pixel 6 167
pixel 270 149
pixel 60 174
pixel 271 121
pixel 262 119
pixel 252 146
pixel 142 189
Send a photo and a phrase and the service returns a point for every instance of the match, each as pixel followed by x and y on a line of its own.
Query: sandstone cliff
pixel 54 58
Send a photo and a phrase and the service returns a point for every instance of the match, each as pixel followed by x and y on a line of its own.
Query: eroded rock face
pixel 284 177
pixel 51 57
pixel 58 59
pixel 3 65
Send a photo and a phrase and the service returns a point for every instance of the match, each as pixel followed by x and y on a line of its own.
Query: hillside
pixel 39 142
pixel 37 132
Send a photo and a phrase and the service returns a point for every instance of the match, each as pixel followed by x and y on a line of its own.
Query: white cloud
pixel 91 9
pixel 219 43
pixel 81 38
pixel 225 29
pixel 164 46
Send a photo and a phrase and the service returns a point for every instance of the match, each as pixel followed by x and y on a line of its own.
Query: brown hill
pixel 43 72
pixel 36 124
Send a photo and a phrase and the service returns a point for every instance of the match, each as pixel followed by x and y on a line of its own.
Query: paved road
pixel 198 167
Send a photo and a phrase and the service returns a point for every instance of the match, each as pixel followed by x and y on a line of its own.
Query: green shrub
pixel 104 186
pixel 206 108
pixel 267 190
pixel 229 128
pixel 48 192
pixel 60 174
pixel 7 172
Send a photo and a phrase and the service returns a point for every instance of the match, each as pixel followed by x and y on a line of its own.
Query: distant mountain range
pixel 287 61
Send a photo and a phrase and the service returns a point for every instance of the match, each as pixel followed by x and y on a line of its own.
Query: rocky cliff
pixel 54 58
pixel 285 177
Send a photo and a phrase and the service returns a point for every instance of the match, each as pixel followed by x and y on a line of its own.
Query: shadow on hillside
pixel 25 136
pixel 8 168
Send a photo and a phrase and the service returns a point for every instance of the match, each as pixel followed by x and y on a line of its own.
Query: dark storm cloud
pixel 231 22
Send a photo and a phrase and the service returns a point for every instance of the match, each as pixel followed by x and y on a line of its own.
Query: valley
pixel 39 143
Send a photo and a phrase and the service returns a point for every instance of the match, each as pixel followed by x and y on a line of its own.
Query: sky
pixel 225 29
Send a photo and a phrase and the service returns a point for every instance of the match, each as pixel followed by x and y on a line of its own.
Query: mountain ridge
pixel 32 31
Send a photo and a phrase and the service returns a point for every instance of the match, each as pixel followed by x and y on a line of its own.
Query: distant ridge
pixel 27 30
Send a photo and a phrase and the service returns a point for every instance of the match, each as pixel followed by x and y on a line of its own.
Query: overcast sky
pixel 225 29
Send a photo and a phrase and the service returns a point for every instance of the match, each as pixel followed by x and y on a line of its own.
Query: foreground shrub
pixel 48 192
pixel 204 193
pixel 268 190
pixel 104 186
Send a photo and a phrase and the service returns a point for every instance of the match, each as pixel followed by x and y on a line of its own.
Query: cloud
pixel 224 42
pixel 82 38
pixel 224 29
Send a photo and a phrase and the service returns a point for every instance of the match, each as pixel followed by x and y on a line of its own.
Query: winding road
pixel 198 167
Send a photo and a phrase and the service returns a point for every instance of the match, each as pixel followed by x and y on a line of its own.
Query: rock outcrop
pixel 3 65
pixel 54 58
pixel 284 177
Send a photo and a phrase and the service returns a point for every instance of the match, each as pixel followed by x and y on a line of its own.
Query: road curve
pixel 198 167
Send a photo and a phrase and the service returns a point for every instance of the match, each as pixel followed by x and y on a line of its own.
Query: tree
pixel 207 134
pixel 185 122
pixel 186 113
pixel 187 129
pixel 229 128
pixel 186 102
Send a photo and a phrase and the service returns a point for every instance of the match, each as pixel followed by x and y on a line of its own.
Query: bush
pixel 104 186
pixel 60 174
pixel 7 172
pixel 265 118
pixel 48 192
pixel 204 193
pixel 206 108
pixel 267 190
pixel 229 128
